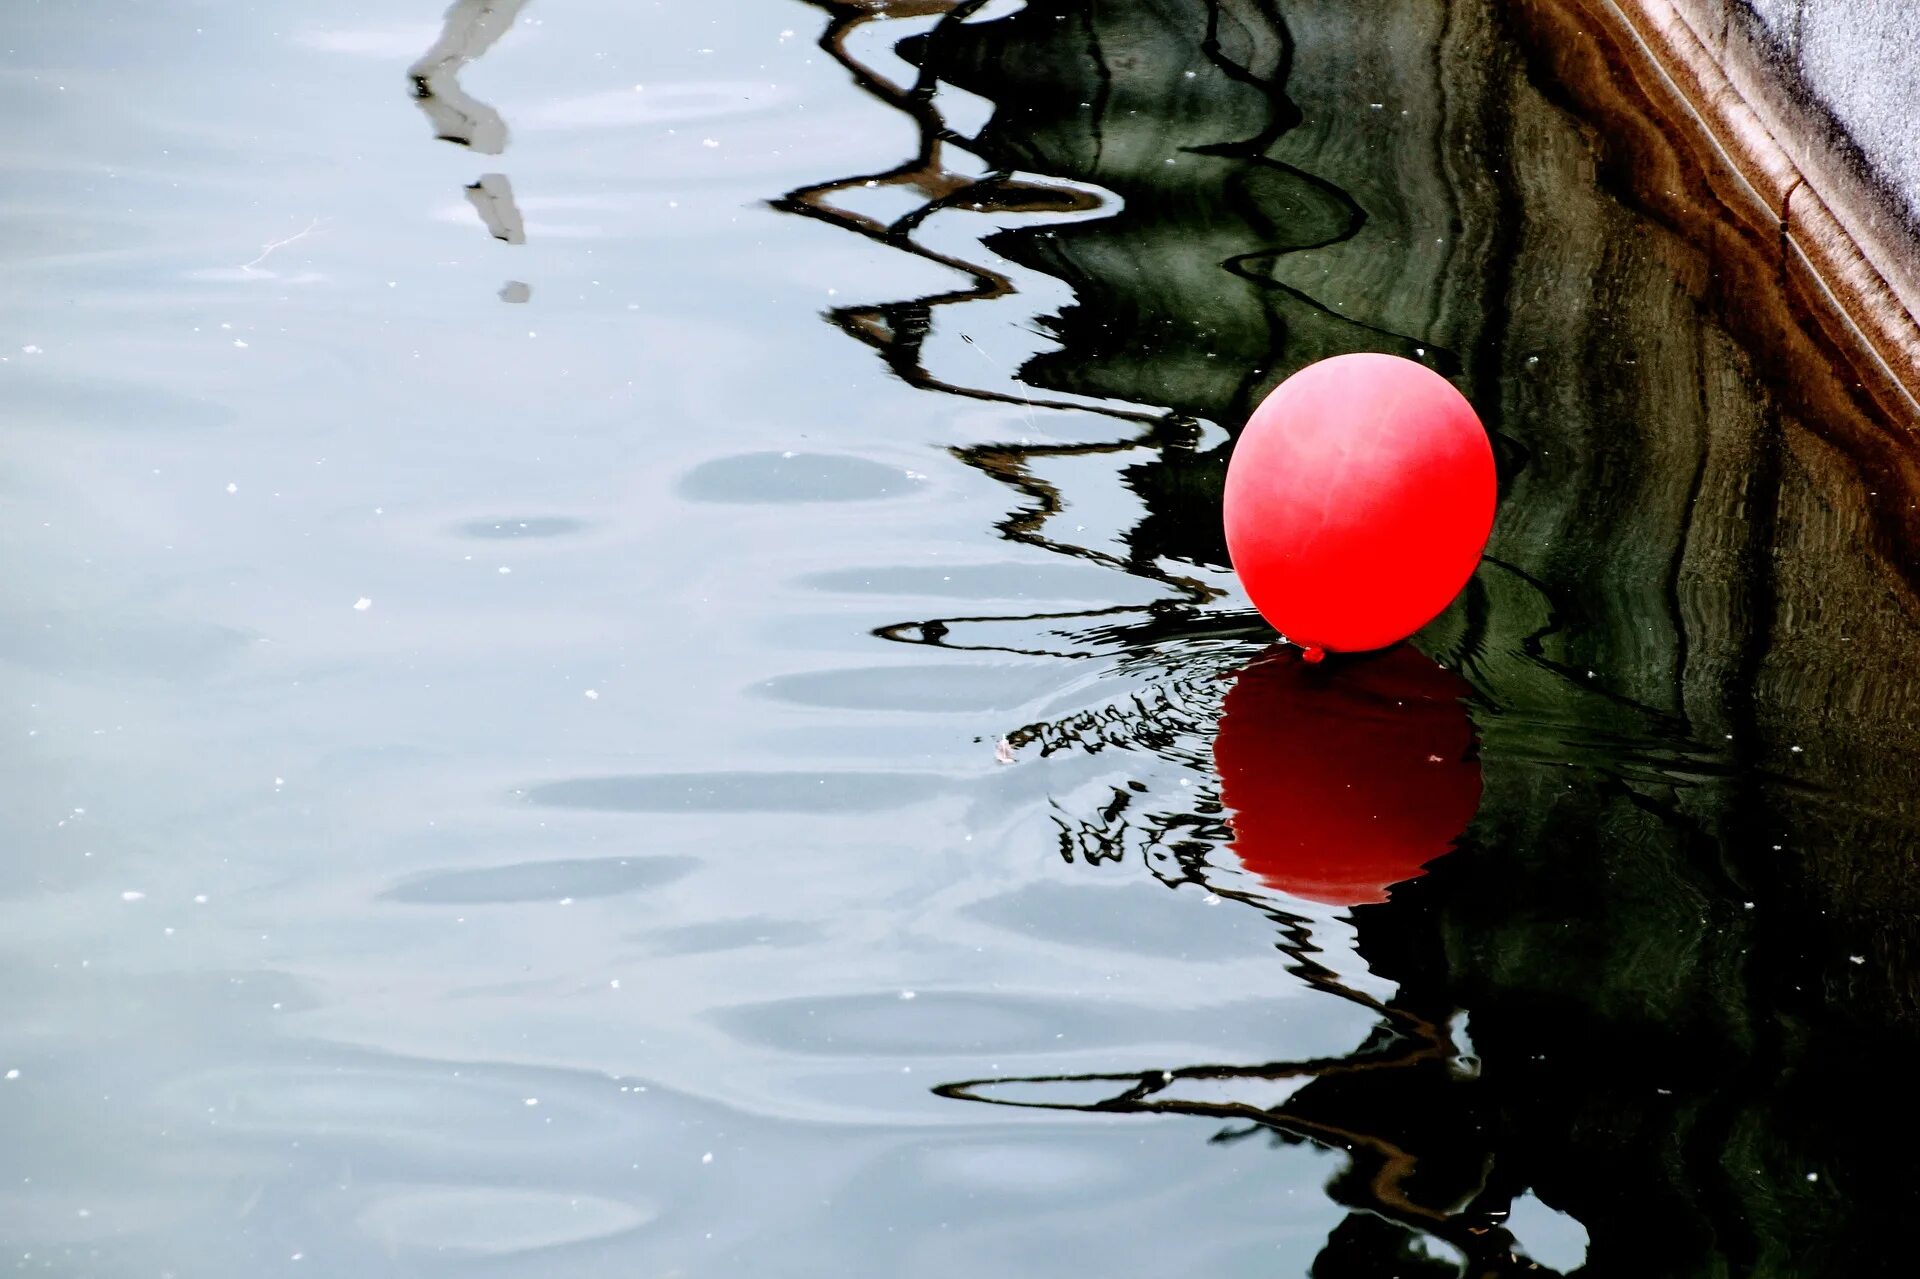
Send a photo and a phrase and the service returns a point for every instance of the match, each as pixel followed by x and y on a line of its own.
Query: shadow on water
pixel 1682 922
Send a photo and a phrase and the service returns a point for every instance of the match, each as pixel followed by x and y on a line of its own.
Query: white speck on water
pixel 241 343
pixel 232 487
pixel 593 694
pixel 13 1074
pixel 566 901
pixel 298 1256
pixel 31 349
pixel 1211 899
pixel 907 994
pixel 531 1101
pixel 132 895
pixel 505 569
pixel 709 142
pixel 1003 751
pixel 707 1158
pixel 614 983
pixel 279 781
pixel 362 604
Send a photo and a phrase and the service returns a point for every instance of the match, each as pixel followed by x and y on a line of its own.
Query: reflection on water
pixel 471 28
pixel 1681 924
pixel 1342 783
pixel 487 796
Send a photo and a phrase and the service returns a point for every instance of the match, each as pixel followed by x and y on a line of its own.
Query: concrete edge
pixel 1845 245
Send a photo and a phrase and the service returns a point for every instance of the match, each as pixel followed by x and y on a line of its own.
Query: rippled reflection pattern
pixel 1648 1017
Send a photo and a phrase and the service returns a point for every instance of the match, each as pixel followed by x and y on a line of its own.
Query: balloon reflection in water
pixel 1341 779
pixel 1347 778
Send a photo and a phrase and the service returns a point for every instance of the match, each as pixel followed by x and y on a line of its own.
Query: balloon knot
pixel 1313 654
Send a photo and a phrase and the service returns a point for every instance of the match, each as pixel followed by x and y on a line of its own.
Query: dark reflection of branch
pixel 934 630
pixel 1413 1175
pixel 898 331
pixel 1384 1172
pixel 1010 465
pixel 1234 207
pixel 1400 1106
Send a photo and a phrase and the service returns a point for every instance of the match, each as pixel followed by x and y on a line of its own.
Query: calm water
pixel 633 690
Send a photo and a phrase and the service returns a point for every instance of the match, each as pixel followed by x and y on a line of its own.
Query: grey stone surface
pixel 1781 18
pixel 1860 61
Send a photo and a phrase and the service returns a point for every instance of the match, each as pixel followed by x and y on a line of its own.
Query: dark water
pixel 638 694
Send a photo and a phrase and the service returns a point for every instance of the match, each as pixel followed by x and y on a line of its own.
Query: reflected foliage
pixel 1682 926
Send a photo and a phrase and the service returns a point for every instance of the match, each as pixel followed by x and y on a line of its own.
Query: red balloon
pixel 1343 780
pixel 1358 500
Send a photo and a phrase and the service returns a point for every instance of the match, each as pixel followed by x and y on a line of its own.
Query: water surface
pixel 615 617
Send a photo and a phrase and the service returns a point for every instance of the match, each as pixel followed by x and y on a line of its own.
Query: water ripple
pixel 740 792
